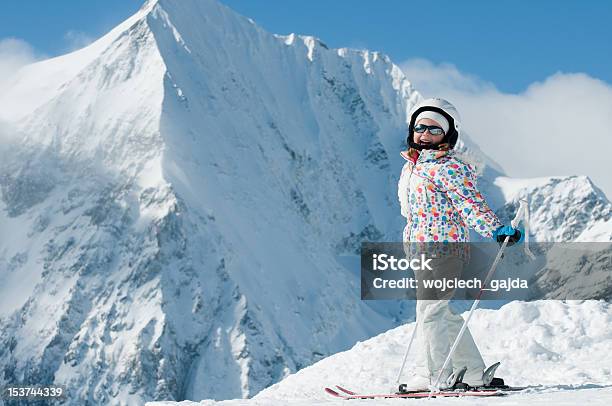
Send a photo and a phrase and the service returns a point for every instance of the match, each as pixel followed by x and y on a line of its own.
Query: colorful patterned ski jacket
pixel 439 198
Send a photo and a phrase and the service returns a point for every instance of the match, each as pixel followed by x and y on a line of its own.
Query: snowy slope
pixel 563 347
pixel 182 201
pixel 563 396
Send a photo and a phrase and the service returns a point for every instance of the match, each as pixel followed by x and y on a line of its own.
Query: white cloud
pixel 560 126
pixel 433 79
pixel 14 53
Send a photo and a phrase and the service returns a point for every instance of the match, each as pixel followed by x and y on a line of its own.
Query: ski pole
pixel 523 208
pixel 399 374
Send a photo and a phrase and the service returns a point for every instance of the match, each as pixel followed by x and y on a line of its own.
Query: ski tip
pixel 332 392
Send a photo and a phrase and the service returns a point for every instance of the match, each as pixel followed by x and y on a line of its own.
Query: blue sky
pixel 510 44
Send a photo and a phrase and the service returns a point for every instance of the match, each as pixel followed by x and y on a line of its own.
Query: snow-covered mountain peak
pixel 568 208
pixel 35 84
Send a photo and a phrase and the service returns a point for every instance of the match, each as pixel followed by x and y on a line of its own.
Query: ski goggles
pixel 433 129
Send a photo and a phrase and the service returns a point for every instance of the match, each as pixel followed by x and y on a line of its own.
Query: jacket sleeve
pixel 459 182
pixel 402 190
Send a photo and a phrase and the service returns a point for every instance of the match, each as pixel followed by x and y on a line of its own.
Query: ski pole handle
pixel 523 214
pixel 519 214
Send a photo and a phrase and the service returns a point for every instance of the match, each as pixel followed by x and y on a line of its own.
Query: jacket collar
pixel 426 155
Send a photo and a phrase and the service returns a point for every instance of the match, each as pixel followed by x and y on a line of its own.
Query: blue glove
pixel 516 235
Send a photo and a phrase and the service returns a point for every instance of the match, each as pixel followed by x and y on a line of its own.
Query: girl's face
pixel 426 137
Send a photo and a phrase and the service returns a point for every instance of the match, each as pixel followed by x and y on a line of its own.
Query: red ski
pixel 352 395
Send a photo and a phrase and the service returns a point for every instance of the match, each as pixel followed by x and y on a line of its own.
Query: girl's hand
pixel 516 235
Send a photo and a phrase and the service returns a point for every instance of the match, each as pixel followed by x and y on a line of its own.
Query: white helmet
pixel 443 107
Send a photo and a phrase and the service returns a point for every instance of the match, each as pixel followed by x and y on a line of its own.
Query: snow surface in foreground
pixel 566 347
pixel 557 397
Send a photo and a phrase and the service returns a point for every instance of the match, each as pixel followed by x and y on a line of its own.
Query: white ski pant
pixel 438 326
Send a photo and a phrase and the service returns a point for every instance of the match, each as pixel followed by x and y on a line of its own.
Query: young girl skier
pixel 439 198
